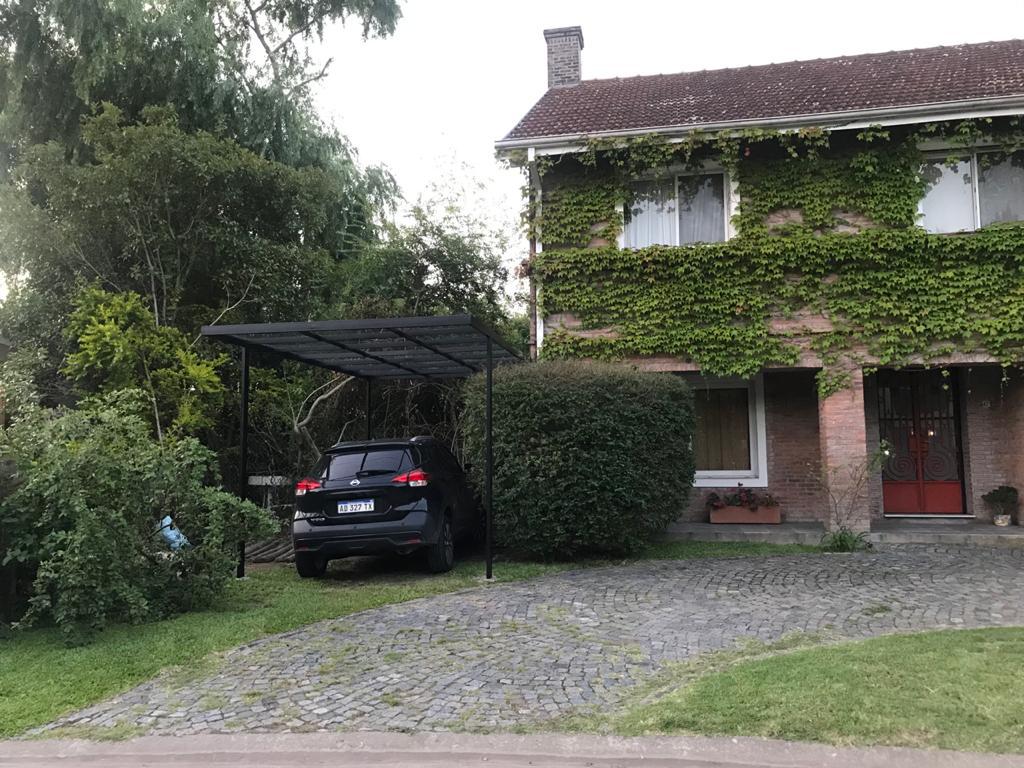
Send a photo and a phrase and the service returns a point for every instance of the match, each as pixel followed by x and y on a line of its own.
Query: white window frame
pixel 757 475
pixel 971 156
pixel 730 191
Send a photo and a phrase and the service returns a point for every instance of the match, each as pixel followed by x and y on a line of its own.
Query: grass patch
pixel 951 689
pixel 633 715
pixel 213 702
pixel 688 550
pixel 40 679
pixel 119 732
pixel 876 610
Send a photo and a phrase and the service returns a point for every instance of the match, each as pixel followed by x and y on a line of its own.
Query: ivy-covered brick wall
pixel 828 260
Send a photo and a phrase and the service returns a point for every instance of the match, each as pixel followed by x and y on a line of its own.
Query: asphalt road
pixel 426 750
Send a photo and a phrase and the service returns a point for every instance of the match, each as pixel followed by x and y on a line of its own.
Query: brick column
pixel 844 456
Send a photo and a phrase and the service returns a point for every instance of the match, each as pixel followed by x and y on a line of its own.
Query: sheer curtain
pixel 1001 189
pixel 702 208
pixel 657 217
pixel 651 219
pixel 948 204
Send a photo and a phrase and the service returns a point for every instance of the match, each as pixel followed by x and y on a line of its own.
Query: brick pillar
pixel 844 456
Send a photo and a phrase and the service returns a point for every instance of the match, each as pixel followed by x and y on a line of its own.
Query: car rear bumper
pixel 412 531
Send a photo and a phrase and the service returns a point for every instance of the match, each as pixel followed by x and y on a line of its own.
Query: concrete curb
pixel 423 750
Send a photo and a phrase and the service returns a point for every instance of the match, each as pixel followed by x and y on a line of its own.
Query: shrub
pixel 89 490
pixel 588 457
pixel 1002 500
pixel 845 540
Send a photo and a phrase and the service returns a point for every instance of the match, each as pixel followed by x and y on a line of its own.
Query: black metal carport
pixel 439 347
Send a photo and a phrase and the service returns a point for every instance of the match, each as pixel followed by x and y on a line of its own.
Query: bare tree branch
pixel 301 424
pixel 257 30
pixel 227 309
pixel 319 76
pixel 314 19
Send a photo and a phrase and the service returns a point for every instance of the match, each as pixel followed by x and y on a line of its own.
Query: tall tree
pixel 195 223
pixel 239 67
pixel 61 56
pixel 434 264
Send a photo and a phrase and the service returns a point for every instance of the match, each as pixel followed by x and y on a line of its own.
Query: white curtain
pixel 948 204
pixel 1001 190
pixel 701 209
pixel 651 218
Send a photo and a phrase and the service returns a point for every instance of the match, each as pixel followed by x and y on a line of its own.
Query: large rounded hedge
pixel 588 457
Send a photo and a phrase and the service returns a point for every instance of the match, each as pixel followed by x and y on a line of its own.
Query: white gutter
pixel 851 119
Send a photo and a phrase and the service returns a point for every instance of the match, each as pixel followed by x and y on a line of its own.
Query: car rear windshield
pixel 352 463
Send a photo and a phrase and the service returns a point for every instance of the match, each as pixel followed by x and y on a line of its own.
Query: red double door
pixel 919 419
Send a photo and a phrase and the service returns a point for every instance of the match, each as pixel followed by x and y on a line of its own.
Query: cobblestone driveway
pixel 518 654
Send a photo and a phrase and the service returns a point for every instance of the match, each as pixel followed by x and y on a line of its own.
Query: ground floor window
pixel 729 439
pixel 722 439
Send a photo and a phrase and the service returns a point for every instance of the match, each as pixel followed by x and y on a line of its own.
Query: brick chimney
pixel 564 46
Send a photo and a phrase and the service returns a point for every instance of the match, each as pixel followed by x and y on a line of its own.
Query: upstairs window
pixel 974 191
pixel 1001 190
pixel 652 217
pixel 685 209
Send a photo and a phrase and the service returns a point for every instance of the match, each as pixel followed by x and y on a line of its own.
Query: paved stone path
pixel 518 654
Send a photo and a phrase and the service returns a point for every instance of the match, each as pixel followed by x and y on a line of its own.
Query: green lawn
pixel 40 679
pixel 954 689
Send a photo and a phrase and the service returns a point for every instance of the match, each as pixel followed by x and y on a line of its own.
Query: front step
pixel 786 533
pixel 953 533
pixel 1010 538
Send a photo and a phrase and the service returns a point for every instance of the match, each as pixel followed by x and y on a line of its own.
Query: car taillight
pixel 306 484
pixel 416 478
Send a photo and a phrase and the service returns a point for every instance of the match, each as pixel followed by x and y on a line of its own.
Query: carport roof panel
pixel 385 348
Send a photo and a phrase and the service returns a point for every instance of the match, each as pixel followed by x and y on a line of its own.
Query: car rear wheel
pixel 441 555
pixel 310 566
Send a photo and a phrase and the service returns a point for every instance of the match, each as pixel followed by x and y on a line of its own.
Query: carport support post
pixel 243 451
pixel 369 415
pixel 489 462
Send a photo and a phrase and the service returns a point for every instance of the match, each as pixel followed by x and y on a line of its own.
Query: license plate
pixel 359 505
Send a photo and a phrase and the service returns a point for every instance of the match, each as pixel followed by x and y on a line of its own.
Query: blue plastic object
pixel 175 539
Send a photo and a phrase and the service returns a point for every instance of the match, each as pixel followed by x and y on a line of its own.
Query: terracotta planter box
pixel 765 515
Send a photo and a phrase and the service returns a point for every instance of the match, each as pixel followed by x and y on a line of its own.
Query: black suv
pixel 382 496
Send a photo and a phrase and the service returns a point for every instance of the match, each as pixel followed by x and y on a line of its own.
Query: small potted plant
pixel 742 505
pixel 1003 503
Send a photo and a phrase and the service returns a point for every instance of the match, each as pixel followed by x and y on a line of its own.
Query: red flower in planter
pixel 739 497
pixel 713 501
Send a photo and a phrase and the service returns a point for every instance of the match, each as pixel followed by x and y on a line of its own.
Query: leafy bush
pixel 588 457
pixel 118 345
pixel 1002 500
pixel 89 490
pixel 845 540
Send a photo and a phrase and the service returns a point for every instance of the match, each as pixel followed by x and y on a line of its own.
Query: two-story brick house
pixel 827 249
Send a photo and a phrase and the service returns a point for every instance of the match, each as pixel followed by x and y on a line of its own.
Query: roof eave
pixel 851 119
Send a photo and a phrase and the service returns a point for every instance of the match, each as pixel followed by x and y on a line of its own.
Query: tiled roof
pixel 864 83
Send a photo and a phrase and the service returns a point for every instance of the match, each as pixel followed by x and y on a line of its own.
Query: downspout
pixel 532 299
pixel 535 199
